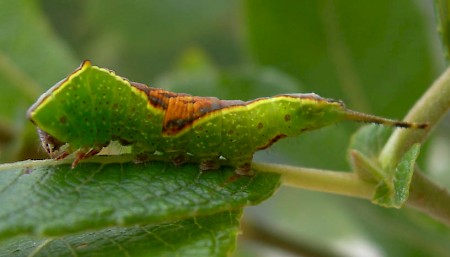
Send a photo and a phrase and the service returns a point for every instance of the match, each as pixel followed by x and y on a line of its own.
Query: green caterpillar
pixel 93 106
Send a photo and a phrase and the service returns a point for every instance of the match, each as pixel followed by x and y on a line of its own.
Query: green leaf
pixel 365 146
pixel 365 168
pixel 394 191
pixel 370 140
pixel 393 185
pixel 212 235
pixel 47 198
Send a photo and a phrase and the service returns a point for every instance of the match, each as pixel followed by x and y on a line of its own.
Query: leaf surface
pixel 394 191
pixel 47 198
pixel 392 185
pixel 212 235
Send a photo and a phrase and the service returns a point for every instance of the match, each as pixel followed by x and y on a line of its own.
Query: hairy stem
pixel 431 108
pixel 343 183
pixel 429 198
pixel 425 196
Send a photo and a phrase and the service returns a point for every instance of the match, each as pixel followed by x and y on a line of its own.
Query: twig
pixel 425 196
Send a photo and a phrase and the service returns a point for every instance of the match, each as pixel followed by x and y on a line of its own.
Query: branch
pixel 429 198
pixel 431 108
pixel 425 196
pixel 337 182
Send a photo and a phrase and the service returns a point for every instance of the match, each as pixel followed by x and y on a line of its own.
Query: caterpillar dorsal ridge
pixel 93 106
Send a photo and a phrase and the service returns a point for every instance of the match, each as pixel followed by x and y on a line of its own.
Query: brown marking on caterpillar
pixel 63 119
pixel 157 97
pixel 260 125
pixel 200 106
pixel 181 110
pixel 272 141
pixel 160 98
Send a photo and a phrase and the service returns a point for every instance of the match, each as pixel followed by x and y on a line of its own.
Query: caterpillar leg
pixel 142 157
pixel 210 164
pixel 179 159
pixel 81 155
pixel 243 166
pixel 244 169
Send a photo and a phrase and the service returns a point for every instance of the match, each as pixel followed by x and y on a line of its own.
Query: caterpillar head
pixel 53 113
pixel 50 144
pixel 50 127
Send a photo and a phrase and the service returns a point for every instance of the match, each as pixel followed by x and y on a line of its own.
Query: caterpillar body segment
pixel 94 106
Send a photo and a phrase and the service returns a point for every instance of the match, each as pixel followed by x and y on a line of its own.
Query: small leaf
pixel 365 168
pixel 370 139
pixel 212 235
pixel 365 146
pixel 393 185
pixel 395 191
pixel 47 198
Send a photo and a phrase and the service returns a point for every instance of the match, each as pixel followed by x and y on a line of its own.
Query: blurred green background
pixel 377 56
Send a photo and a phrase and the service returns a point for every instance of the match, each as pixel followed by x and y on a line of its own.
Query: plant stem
pixel 343 183
pixel 429 198
pixel 425 196
pixel 431 108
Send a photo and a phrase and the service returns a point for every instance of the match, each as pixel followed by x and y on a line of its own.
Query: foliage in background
pixel 378 57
